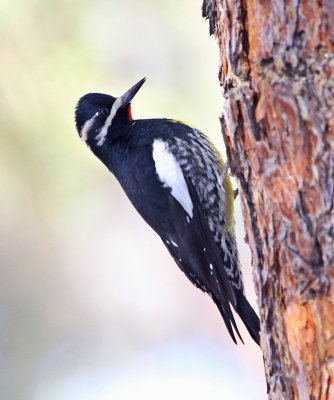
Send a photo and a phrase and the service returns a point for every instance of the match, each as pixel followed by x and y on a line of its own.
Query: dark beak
pixel 130 94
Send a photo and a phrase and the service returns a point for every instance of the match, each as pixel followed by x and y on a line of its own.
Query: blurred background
pixel 91 304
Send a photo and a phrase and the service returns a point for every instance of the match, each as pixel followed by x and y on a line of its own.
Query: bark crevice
pixel 277 75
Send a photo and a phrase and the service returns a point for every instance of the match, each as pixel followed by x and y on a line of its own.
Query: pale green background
pixel 91 305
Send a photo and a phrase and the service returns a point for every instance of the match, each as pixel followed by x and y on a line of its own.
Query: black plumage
pixel 175 179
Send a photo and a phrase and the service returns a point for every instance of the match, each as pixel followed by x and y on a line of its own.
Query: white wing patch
pixel 170 174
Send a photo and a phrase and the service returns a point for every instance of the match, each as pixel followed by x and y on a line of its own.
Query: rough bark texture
pixel 277 74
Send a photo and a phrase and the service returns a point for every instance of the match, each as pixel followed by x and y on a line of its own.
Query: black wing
pixel 188 238
pixel 198 256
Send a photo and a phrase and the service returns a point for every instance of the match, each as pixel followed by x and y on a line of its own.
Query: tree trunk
pixel 277 74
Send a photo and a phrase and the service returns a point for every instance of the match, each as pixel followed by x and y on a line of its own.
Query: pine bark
pixel 277 76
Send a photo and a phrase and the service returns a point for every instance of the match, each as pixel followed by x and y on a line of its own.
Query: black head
pixel 96 113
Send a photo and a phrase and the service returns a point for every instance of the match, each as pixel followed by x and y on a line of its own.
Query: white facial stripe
pixel 171 175
pixel 86 127
pixel 101 137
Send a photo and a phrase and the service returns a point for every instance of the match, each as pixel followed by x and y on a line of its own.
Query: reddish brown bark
pixel 277 74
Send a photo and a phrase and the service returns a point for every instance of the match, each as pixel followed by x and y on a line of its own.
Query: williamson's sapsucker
pixel 176 180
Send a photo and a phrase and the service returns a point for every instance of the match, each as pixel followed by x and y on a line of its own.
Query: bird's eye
pixel 102 112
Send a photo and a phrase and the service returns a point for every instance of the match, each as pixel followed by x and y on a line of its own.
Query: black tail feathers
pixel 248 317
pixel 228 318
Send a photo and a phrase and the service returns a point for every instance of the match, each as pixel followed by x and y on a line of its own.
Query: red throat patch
pixel 129 113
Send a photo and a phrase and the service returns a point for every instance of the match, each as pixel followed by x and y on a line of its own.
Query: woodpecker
pixel 177 181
